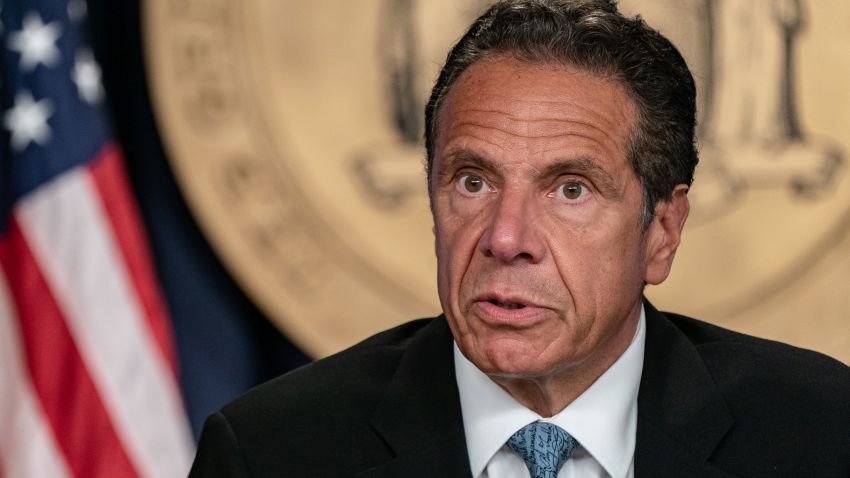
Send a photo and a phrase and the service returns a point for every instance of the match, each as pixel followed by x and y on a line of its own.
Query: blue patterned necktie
pixel 544 447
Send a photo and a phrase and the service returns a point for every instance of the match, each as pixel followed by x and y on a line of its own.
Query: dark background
pixel 226 345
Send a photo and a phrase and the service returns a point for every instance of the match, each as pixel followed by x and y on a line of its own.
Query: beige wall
pixel 294 130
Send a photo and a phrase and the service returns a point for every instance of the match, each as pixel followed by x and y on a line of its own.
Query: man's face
pixel 537 217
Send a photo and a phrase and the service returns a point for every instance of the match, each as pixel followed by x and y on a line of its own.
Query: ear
pixel 664 234
pixel 434 232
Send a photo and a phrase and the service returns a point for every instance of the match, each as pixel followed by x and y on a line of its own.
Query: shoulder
pixel 328 402
pixel 785 401
pixel 756 407
pixel 354 375
pixel 740 361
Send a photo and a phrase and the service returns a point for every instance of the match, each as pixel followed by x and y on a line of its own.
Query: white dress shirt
pixel 603 420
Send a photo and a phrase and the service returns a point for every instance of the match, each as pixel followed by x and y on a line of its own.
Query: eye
pixel 472 184
pixel 571 191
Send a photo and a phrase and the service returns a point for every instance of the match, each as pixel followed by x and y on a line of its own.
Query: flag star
pixel 77 9
pixel 86 75
pixel 27 120
pixel 36 42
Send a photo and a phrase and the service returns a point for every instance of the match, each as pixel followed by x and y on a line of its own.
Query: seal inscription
pixel 294 129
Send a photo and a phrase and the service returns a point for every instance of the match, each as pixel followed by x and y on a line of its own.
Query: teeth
pixel 507 306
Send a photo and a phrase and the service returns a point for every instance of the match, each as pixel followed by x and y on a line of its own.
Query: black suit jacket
pixel 712 403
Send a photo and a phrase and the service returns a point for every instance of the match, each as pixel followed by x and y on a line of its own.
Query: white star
pixel 36 42
pixel 77 9
pixel 86 75
pixel 27 121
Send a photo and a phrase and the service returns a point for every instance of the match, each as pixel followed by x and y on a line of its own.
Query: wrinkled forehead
pixel 536 100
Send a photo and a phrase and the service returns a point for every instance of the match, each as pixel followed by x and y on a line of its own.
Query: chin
pixel 514 362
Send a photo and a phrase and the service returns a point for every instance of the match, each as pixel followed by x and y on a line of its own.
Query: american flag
pixel 88 372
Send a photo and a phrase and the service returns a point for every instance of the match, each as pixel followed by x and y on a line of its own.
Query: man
pixel 560 142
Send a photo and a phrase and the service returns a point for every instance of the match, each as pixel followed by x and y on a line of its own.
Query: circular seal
pixel 295 132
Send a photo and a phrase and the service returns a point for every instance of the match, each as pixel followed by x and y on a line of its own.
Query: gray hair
pixel 594 36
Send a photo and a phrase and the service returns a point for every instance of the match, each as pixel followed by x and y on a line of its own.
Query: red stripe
pixel 62 384
pixel 111 182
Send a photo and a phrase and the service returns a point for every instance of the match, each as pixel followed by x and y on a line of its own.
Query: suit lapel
pixel 419 416
pixel 681 416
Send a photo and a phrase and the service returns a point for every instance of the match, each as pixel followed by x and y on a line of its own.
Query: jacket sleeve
pixel 219 454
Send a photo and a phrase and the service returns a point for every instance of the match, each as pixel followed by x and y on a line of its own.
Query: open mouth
pixel 508 306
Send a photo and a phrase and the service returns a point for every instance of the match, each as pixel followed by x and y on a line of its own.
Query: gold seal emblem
pixel 295 131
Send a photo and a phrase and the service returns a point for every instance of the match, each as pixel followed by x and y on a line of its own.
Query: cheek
pixel 450 235
pixel 455 243
pixel 620 270
pixel 457 238
pixel 595 261
pixel 457 225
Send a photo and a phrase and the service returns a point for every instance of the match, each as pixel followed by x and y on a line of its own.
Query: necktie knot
pixel 544 447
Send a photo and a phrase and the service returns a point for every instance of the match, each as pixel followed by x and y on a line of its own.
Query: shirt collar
pixel 603 419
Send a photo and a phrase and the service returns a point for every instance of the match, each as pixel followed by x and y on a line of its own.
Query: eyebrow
pixel 465 157
pixel 460 158
pixel 583 165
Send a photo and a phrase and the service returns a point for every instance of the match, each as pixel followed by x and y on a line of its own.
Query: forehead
pixel 509 103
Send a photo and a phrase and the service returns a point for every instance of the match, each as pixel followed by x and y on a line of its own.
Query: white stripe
pixel 28 447
pixel 70 235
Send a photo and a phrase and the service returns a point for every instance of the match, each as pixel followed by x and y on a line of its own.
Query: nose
pixel 512 232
